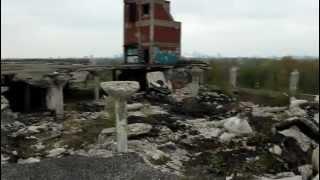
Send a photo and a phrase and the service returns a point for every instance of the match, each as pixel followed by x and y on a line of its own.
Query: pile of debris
pixel 204 137
pixel 215 105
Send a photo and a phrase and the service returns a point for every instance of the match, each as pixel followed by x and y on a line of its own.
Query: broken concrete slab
pixel 306 171
pixel 304 141
pixel 157 81
pixel 136 129
pixel 205 128
pixel 308 128
pixel 235 125
pixel 227 137
pixel 135 106
pixel 295 107
pixel 29 160
pixel 286 178
pixel 56 152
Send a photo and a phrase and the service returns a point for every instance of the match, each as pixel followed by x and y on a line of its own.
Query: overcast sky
pixel 77 28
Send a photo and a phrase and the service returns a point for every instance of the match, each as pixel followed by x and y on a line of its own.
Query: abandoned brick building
pixel 151 35
pixel 152 42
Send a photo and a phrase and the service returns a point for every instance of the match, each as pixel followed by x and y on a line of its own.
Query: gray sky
pixel 77 28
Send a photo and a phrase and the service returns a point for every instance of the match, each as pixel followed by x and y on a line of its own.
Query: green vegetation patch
pixel 240 162
pixel 266 73
pixel 264 97
pixel 90 130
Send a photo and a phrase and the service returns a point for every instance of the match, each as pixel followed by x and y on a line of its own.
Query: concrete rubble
pixel 295 107
pixel 157 83
pixel 306 171
pixel 304 141
pixel 207 136
pixel 134 130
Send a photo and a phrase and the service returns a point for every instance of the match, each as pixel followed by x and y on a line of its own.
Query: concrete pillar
pixel 120 91
pixel 121 124
pixel 54 97
pixel 233 76
pixel 96 87
pixel 27 98
pixel 50 101
pixel 195 85
pixel 55 100
pixel 294 81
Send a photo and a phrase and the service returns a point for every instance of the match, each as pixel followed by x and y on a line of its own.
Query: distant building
pixel 151 35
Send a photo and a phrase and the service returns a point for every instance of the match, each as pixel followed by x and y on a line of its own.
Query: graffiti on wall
pixel 165 57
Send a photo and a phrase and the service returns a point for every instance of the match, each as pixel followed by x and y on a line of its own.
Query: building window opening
pixel 146 56
pixel 132 12
pixel 146 9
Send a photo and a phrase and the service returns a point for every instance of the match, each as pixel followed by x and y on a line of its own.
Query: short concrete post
pixel 233 76
pixel 195 85
pixel 294 81
pixel 96 87
pixel 120 91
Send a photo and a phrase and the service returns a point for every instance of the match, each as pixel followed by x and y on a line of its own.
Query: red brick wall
pixel 130 36
pixel 161 13
pixel 145 34
pixel 167 34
